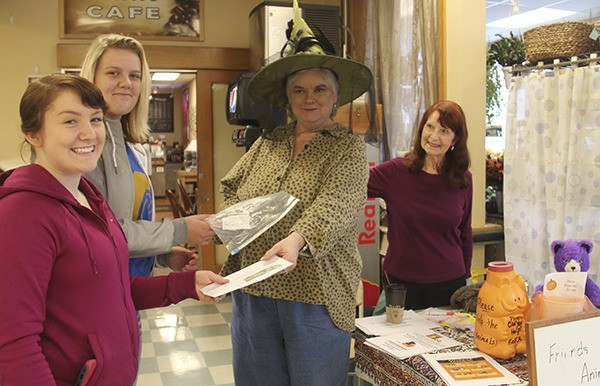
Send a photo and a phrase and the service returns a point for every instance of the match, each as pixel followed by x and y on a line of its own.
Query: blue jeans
pixel 280 342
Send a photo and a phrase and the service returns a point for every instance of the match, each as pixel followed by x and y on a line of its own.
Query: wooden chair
pixel 176 207
pixel 186 201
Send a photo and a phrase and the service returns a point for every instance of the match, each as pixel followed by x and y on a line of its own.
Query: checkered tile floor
pixel 186 344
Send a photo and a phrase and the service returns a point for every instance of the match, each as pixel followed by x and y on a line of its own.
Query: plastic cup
pixel 395 295
pixel 557 307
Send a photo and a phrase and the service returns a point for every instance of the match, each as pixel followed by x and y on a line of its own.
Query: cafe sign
pixel 145 19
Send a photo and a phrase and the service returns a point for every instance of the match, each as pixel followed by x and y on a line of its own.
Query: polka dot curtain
pixel 552 167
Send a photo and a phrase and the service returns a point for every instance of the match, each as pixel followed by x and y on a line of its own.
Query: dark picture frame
pixel 181 20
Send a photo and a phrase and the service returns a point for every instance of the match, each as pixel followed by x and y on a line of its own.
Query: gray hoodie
pixel 114 179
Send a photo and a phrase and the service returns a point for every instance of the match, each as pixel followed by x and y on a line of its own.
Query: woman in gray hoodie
pixel 117 65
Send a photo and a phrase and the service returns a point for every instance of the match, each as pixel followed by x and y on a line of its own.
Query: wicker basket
pixel 559 40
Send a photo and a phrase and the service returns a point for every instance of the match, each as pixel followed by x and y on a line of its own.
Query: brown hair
pixel 456 161
pixel 40 95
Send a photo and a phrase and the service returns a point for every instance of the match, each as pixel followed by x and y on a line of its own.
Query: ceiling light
pixel 166 76
pixel 526 19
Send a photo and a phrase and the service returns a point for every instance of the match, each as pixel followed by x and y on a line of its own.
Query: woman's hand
pixel 287 249
pixel 204 278
pixel 182 259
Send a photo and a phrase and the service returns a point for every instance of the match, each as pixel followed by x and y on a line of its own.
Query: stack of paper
pixel 415 335
pixel 409 343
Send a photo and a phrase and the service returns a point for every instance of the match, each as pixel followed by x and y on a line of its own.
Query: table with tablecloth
pixel 382 369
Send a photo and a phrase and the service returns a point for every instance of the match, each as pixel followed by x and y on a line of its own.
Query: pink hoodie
pixel 65 292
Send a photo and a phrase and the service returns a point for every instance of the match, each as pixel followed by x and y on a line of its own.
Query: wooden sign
pixel 153 19
pixel 564 351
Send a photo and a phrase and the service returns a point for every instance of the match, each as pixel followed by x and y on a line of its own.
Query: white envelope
pixel 244 277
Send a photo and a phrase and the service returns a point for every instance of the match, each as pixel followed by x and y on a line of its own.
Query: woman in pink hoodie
pixel 65 292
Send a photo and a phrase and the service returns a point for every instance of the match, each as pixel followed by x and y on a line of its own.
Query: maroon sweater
pixel 429 225
pixel 65 291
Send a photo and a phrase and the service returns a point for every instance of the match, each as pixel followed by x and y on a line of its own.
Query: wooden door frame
pixel 205 79
pixel 212 65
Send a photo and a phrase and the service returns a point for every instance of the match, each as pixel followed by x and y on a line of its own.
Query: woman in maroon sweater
pixel 65 292
pixel 428 195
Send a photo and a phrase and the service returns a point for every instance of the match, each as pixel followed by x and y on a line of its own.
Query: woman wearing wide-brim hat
pixel 294 328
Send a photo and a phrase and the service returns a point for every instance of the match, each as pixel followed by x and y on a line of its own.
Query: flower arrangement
pixel 494 169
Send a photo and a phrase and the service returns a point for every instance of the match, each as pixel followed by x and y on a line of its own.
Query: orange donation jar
pixel 502 310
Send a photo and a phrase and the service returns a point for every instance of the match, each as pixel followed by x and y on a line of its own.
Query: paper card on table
pixel 470 368
pixel 379 326
pixel 408 344
pixel 565 284
pixel 244 277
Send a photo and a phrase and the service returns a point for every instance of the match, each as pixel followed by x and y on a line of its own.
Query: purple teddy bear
pixel 574 256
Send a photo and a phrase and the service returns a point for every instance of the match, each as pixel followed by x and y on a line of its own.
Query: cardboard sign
pixel 564 351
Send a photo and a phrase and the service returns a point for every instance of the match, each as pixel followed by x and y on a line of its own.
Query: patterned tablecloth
pixel 386 370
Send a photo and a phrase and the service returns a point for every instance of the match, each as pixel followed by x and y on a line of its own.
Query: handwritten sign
pixel 564 351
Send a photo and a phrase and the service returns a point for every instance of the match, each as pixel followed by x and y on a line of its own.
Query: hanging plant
pixel 506 51
pixel 493 85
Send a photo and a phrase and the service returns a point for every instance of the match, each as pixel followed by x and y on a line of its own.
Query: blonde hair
pixel 135 124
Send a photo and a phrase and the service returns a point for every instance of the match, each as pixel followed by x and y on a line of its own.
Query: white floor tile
pixel 179 362
pixel 205 320
pixel 222 375
pixel 214 343
pixel 171 334
pixel 149 380
pixel 148 350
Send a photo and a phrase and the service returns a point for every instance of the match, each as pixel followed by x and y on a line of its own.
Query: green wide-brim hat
pixel 268 84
